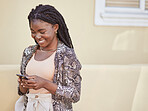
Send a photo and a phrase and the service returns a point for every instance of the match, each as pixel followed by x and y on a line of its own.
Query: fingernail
pixel 21 83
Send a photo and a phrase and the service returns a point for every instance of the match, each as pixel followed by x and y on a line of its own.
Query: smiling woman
pixel 51 66
pixel 44 34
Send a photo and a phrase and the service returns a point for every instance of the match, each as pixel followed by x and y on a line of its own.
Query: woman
pixel 51 66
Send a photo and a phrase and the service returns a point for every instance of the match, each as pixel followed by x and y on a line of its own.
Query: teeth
pixel 41 41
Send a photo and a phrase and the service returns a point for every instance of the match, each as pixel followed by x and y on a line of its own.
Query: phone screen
pixel 22 76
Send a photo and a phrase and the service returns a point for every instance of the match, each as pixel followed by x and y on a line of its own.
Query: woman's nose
pixel 38 36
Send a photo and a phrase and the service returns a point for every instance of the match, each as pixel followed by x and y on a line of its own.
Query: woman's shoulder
pixel 65 50
pixel 30 49
pixel 69 56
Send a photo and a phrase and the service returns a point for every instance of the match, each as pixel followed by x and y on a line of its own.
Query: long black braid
pixel 49 14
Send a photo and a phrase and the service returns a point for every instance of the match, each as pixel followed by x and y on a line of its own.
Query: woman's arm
pixel 21 89
pixel 26 55
pixel 71 86
pixel 35 82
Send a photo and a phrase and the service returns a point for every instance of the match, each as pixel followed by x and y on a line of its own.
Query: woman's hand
pixel 34 82
pixel 22 89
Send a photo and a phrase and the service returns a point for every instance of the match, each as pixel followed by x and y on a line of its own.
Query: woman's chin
pixel 42 45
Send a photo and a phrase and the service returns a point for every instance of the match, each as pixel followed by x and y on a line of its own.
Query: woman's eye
pixel 32 32
pixel 42 32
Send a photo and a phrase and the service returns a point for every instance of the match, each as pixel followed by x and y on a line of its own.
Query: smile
pixel 41 41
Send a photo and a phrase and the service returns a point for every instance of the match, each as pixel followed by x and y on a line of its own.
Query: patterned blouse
pixel 66 76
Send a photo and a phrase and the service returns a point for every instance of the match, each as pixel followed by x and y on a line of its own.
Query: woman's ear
pixel 56 27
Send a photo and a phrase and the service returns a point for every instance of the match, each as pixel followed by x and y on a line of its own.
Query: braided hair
pixel 49 14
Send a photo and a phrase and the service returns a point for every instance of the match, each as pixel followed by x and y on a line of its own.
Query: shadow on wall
pixel 130 41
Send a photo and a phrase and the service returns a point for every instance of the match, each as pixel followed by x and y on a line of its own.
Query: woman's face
pixel 44 33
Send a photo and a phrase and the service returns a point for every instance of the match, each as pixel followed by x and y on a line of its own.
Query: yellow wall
pixel 93 44
pixel 114 88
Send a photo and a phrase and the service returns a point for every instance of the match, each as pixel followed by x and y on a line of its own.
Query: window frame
pixel 120 16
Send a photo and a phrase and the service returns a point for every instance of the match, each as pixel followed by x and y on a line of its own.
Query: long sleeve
pixel 27 54
pixel 71 86
pixel 21 71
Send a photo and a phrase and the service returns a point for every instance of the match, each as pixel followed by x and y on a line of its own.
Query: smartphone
pixel 22 76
